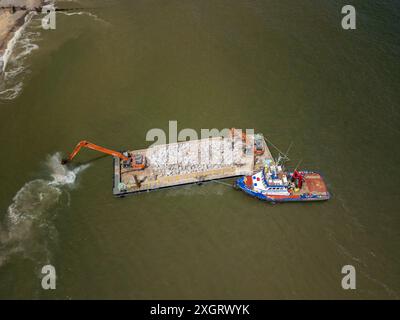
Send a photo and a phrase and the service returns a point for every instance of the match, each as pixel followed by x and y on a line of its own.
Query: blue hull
pixel 240 184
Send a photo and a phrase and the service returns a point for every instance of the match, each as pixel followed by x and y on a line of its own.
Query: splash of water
pixel 29 227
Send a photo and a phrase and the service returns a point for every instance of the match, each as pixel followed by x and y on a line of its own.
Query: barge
pixel 190 162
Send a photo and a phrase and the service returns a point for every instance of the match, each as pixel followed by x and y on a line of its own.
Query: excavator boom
pixel 89 145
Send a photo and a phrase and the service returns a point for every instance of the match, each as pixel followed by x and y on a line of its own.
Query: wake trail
pixel 28 227
pixel 84 13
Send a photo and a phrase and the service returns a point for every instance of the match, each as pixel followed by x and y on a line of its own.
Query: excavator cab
pixel 258 144
pixel 128 162
pixel 135 161
pixel 138 162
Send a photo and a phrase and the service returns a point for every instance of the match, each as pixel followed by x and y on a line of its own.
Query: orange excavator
pixel 138 163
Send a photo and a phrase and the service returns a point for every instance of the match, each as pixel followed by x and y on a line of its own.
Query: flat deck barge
pixel 188 162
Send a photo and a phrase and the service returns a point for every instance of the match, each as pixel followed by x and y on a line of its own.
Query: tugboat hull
pixel 313 189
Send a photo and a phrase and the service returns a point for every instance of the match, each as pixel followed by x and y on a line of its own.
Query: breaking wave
pixel 14 64
pixel 11 44
pixel 28 228
pixel 19 48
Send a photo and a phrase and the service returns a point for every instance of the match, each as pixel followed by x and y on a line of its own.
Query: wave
pixel 14 66
pixel 11 44
pixel 84 13
pixel 23 42
pixel 28 228
pixel 12 92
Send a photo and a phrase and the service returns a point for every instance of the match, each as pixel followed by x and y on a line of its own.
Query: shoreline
pixel 11 22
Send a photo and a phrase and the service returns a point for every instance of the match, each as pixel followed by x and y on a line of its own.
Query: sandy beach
pixel 11 20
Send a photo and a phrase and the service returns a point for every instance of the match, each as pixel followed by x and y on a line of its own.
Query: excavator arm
pixel 89 145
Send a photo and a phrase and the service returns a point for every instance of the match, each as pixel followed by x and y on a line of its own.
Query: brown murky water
pixel 285 68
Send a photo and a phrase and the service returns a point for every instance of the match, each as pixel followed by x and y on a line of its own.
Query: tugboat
pixel 274 185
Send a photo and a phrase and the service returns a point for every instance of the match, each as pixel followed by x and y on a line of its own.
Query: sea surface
pixel 113 71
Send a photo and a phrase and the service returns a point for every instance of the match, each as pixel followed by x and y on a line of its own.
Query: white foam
pixel 19 48
pixel 81 13
pixel 27 47
pixel 11 93
pixel 14 67
pixel 11 44
pixel 10 74
pixel 28 224
pixel 60 173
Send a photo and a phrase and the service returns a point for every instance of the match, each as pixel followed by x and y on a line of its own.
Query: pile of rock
pixel 195 156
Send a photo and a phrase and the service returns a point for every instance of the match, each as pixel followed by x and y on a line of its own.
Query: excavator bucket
pixel 64 161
